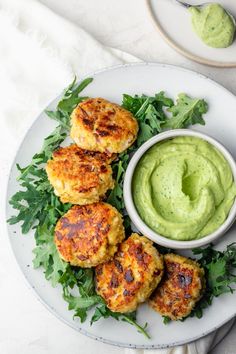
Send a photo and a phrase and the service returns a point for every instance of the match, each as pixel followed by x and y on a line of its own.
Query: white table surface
pixel 26 327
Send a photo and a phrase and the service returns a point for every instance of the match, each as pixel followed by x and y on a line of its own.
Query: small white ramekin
pixel 128 198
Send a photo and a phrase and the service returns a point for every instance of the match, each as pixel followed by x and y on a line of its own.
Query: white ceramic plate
pixel 221 124
pixel 174 23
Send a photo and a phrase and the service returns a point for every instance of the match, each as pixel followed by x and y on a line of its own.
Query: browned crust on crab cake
pixel 100 125
pixel 88 235
pixel 80 176
pixel 130 277
pixel 180 289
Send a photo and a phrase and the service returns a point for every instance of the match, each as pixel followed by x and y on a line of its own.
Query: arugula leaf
pixel 80 281
pixel 46 255
pixel 131 319
pixel 139 104
pixel 166 319
pixel 103 312
pixel 116 195
pixel 80 304
pixel 220 269
pixel 71 96
pixel 149 111
pixel 187 111
pixel 68 102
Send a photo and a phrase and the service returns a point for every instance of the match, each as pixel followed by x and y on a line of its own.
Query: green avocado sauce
pixel 214 25
pixel 183 188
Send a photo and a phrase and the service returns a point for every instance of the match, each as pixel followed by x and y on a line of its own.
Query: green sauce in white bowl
pixel 183 188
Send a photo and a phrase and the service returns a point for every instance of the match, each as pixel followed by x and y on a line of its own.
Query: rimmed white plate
pixel 220 123
pixel 174 24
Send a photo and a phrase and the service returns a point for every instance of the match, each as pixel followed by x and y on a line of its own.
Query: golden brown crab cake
pixel 88 235
pixel 80 176
pixel 130 277
pixel 181 287
pixel 100 125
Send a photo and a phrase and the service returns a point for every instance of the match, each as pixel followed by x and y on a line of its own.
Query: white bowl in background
pixel 133 213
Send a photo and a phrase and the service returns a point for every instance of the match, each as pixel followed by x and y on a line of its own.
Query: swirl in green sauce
pixel 214 25
pixel 183 188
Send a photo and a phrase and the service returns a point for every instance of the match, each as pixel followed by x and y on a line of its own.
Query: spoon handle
pixel 184 4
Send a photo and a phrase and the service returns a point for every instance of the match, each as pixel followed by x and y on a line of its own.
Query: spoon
pixel 187 6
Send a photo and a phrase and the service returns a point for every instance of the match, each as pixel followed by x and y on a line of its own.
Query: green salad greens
pixel 39 209
pixel 220 278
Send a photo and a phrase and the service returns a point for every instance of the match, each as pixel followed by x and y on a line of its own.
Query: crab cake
pixel 180 289
pixel 87 235
pixel 99 125
pixel 80 176
pixel 131 276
